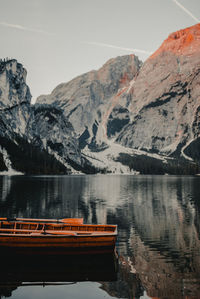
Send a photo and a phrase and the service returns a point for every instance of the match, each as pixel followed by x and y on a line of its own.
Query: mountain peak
pixel 183 42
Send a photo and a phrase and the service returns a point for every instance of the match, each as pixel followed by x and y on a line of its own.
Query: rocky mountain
pixel 138 109
pixel 15 99
pixel 126 116
pixel 165 99
pixel 50 129
pixel 89 100
pixel 32 139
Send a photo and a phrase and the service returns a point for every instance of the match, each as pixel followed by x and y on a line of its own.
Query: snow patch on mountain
pixel 132 82
pixel 8 164
pixel 184 147
pixel 106 160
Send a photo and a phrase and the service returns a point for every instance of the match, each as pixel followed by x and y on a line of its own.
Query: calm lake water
pixel 158 244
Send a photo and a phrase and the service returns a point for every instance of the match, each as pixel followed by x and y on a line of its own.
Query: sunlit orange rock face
pixel 165 98
pixel 182 42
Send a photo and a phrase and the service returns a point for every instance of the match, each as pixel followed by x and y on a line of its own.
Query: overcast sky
pixel 56 40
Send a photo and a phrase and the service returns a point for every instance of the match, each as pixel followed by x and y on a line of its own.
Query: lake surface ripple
pixel 158 244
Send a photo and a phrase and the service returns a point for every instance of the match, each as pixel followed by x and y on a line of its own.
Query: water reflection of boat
pixel 25 270
pixel 72 236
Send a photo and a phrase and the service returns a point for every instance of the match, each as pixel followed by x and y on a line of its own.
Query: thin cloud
pixel 186 10
pixel 120 48
pixel 20 27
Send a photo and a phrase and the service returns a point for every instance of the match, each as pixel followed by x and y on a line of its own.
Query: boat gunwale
pixel 62 233
pixel 71 226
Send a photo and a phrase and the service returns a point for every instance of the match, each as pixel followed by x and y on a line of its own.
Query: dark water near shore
pixel 158 220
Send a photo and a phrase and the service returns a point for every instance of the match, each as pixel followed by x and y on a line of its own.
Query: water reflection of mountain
pixel 163 235
pixel 40 196
pixel 158 219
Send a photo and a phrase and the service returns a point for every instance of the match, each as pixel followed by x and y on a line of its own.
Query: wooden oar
pixel 64 220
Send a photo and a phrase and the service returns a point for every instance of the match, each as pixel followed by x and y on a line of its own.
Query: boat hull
pixel 64 242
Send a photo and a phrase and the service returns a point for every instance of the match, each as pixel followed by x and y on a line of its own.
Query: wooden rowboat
pixel 67 235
